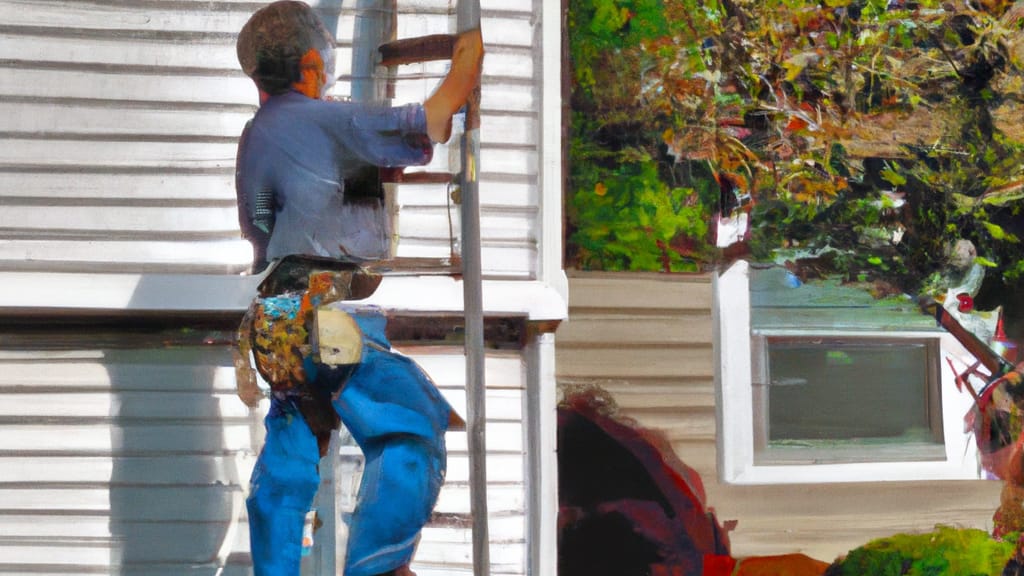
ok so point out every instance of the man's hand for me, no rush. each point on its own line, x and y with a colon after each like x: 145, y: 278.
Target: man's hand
x: 458, y: 84
x: 468, y: 55
x: 245, y: 380
x: 248, y: 389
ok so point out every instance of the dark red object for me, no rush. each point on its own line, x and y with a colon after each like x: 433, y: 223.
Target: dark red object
x: 965, y: 303
x: 627, y: 504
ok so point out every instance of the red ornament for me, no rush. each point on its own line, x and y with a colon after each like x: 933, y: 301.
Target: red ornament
x: 965, y: 303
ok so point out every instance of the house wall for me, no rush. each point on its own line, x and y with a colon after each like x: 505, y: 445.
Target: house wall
x: 127, y: 452
x: 121, y: 455
x: 118, y: 129
x: 648, y: 340
x: 119, y: 125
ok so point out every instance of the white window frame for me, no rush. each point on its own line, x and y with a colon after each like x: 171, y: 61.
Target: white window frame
x: 735, y: 401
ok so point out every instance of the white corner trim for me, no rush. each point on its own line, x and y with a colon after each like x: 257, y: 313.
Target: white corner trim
x: 542, y: 457
x: 551, y: 269
x: 736, y: 418
x: 733, y: 359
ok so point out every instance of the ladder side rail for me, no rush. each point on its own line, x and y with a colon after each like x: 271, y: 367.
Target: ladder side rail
x: 468, y: 18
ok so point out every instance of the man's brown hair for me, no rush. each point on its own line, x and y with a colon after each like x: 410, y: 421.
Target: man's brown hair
x: 271, y: 44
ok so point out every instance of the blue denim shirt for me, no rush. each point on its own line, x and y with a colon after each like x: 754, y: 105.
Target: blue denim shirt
x: 293, y: 159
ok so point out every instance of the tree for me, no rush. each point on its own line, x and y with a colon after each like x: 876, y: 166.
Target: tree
x: 864, y: 137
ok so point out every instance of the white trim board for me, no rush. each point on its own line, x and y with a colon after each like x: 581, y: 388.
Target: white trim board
x: 736, y: 418
x: 42, y: 292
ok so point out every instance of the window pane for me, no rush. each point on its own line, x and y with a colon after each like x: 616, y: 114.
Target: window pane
x: 833, y: 389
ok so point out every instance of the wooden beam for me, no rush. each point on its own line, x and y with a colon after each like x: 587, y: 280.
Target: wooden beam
x: 128, y: 329
x: 419, y: 49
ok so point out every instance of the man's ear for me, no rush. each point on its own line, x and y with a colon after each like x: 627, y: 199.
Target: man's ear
x: 312, y: 77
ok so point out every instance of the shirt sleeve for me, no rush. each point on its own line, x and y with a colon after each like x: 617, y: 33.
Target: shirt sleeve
x: 388, y: 136
x: 256, y: 205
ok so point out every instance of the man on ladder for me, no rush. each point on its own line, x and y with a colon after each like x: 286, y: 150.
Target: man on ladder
x: 329, y: 362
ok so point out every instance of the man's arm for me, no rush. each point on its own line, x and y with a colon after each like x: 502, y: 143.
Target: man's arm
x: 458, y: 84
x: 256, y: 205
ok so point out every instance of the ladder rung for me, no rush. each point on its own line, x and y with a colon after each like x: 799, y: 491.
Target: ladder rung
x: 417, y: 266
x: 292, y: 271
x: 418, y: 49
x: 418, y: 177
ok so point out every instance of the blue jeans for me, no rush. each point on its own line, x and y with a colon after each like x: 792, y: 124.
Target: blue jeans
x: 284, y: 482
x: 398, y: 418
x: 401, y: 482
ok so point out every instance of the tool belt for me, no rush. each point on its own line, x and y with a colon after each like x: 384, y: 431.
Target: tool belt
x: 277, y: 334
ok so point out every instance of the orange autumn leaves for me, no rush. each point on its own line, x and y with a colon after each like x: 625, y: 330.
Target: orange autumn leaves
x: 780, y: 166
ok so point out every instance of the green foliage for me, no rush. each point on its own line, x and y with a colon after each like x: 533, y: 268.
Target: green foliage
x: 779, y: 106
x: 600, y: 28
x: 944, y: 552
x: 633, y: 217
x: 626, y: 211
x: 1015, y: 273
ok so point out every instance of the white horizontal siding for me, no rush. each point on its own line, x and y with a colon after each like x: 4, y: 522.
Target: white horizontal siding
x: 42, y: 116
x: 143, y: 456
x: 214, y: 257
x: 118, y: 127
x: 447, y: 543
x: 169, y: 86
x: 117, y: 104
x: 223, y: 17
x: 508, y: 136
x: 663, y: 343
x: 74, y: 47
x: 98, y: 469
x: 117, y: 460
x: 96, y: 185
